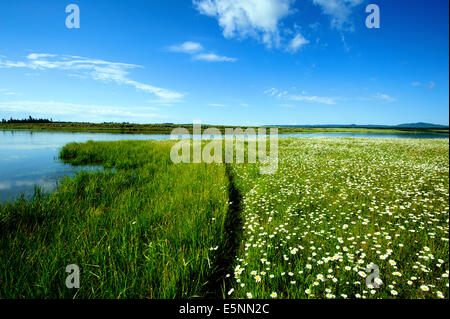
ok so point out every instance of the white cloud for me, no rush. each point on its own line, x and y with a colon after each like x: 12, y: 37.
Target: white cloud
x: 312, y: 98
x: 259, y: 19
x: 301, y: 97
x: 384, y: 97
x: 346, y: 47
x: 211, y: 57
x: 195, y: 48
x: 7, y: 92
x: 296, y: 43
x: 99, y: 70
x: 430, y: 86
x: 35, y: 56
x: 187, y: 47
x: 339, y: 12
x: 314, y: 26
x: 81, y: 112
x: 216, y: 105
x: 377, y: 97
x: 271, y: 91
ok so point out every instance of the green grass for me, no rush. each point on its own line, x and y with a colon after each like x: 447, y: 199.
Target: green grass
x: 142, y: 228
x: 147, y: 228
x: 337, y: 205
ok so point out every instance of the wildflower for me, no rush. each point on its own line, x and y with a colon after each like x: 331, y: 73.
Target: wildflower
x: 378, y: 281
x: 424, y: 288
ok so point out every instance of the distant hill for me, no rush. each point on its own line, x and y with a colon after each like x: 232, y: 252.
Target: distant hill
x: 418, y: 125
x: 421, y: 125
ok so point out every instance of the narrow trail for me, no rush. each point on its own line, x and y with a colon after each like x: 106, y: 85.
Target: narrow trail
x: 227, y: 252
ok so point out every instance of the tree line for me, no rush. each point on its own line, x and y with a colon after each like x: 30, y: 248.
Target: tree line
x: 30, y: 119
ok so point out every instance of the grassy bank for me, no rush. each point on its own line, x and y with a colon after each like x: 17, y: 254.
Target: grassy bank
x: 167, y: 128
x: 143, y: 228
x: 336, y: 206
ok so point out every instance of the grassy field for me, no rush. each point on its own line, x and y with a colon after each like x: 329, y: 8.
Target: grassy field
x: 336, y: 206
x: 147, y: 228
x: 142, y: 228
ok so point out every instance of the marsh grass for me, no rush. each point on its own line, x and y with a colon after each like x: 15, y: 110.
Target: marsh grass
x: 141, y: 228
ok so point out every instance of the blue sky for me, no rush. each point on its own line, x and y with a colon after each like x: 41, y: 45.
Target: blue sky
x: 229, y: 62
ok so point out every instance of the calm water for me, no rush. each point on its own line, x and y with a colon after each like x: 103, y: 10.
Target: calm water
x: 31, y: 158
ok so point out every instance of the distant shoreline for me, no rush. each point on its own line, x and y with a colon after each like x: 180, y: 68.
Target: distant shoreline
x: 167, y: 128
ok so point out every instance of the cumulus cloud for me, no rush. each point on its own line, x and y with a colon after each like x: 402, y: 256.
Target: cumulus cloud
x: 259, y: 19
x: 415, y: 84
x: 339, y: 12
x: 96, y: 69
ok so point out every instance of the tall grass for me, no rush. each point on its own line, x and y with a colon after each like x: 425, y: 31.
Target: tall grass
x: 141, y: 228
